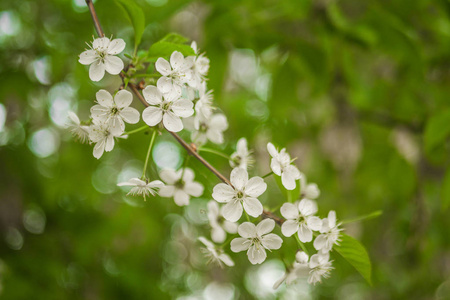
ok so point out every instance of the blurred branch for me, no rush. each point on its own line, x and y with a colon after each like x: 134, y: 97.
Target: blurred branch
x: 191, y: 149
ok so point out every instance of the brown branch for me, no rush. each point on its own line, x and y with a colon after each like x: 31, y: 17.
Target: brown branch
x: 189, y: 149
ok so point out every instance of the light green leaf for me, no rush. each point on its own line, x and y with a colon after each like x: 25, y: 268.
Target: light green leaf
x: 165, y: 49
x: 356, y: 255
x: 372, y: 215
x: 291, y: 196
x: 175, y: 38
x: 437, y: 130
x: 136, y: 16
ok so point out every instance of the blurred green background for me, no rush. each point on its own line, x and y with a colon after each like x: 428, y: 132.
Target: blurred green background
x: 357, y: 90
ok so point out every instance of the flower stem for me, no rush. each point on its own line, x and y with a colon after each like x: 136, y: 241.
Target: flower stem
x: 248, y: 218
x: 267, y: 175
x: 146, y: 75
x: 148, y: 153
x: 214, y: 152
x: 136, y: 130
x: 301, y: 244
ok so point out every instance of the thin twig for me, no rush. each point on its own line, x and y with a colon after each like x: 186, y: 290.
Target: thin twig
x: 189, y: 149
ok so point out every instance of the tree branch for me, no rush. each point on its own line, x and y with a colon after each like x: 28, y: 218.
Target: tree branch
x: 189, y: 149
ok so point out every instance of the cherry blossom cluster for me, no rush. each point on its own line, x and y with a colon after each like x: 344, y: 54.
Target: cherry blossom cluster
x: 181, y: 100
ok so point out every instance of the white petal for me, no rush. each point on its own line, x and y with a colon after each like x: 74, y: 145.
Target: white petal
x: 215, y: 136
x: 163, y: 67
x: 289, y: 227
x: 314, y: 223
x: 304, y: 234
x: 301, y: 257
x: 206, y: 242
x: 307, y: 207
x: 226, y: 259
x: 116, y: 46
x: 277, y: 283
x: 320, y: 242
x: 167, y: 191
x: 152, y: 115
x: 152, y: 95
x: 99, y: 148
x: 123, y: 98
x: 101, y: 43
x: 230, y: 227
x: 181, y: 198
x: 239, y: 178
x: 265, y: 226
x: 312, y: 191
x: 275, y: 166
x: 100, y: 113
x: 104, y: 98
x: 253, y: 207
x: 256, y: 255
x: 88, y: 57
x: 247, y: 230
x: 232, y: 211
x: 96, y: 71
x: 288, y: 181
x: 172, y: 122
x: 289, y: 211
x: 272, y: 241
x: 239, y: 244
x: 130, y: 115
x: 169, y: 176
x: 177, y: 60
x: 183, y: 108
x: 255, y: 187
x: 219, y: 122
x: 116, y: 126
x: 113, y: 65
x: 223, y: 192
x: 194, y: 189
x: 272, y: 151
x: 332, y: 219
x: 165, y: 84
x: 218, y: 235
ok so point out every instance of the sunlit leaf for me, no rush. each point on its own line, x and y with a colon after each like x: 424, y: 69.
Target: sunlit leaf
x: 136, y: 16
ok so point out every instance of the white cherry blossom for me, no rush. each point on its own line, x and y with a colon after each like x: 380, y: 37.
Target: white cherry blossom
x: 243, y: 193
x: 209, y: 129
x: 114, y: 111
x: 80, y: 132
x: 214, y: 254
x: 203, y: 106
x: 300, y: 219
x: 256, y: 239
x: 142, y: 188
x: 299, y: 269
x: 177, y: 72
x: 242, y: 157
x: 102, y: 57
x: 180, y: 185
x: 308, y: 190
x: 200, y: 67
x: 330, y: 232
x: 281, y: 166
x: 219, y: 226
x: 167, y: 107
x: 100, y: 134
x: 320, y: 267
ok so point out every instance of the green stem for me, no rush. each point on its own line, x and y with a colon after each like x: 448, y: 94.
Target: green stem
x: 136, y: 130
x: 365, y: 217
x: 214, y: 152
x: 248, y: 218
x: 301, y: 244
x: 148, y: 153
x: 268, y: 174
x: 146, y: 75
x: 185, y: 163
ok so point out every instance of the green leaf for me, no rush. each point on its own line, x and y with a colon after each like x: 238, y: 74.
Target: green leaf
x: 291, y: 196
x: 372, y: 215
x: 136, y: 16
x: 445, y: 193
x: 437, y: 130
x: 356, y: 255
x: 167, y: 45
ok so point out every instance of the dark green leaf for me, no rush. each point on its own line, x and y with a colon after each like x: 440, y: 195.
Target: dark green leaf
x: 437, y: 130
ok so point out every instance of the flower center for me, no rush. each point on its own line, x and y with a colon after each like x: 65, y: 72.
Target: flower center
x: 179, y: 184
x: 166, y: 106
x: 240, y: 195
x: 114, y: 111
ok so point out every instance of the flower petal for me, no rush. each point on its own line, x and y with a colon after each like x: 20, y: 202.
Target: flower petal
x: 219, y: 122
x: 239, y: 244
x: 255, y: 187
x: 288, y: 181
x: 332, y: 219
x: 88, y: 57
x: 218, y: 235
x: 104, y: 98
x: 232, y: 211
x: 271, y: 241
x: 116, y: 126
x: 130, y: 115
x: 314, y: 223
x: 99, y: 148
x: 265, y: 226
x: 305, y: 234
x: 113, y: 64
x: 96, y: 71
x: 226, y: 259
x: 183, y: 108
x: 320, y: 242
x: 152, y: 95
x: 116, y: 46
x: 253, y: 207
x: 307, y: 207
x: 289, y: 211
x: 169, y: 176
x: 239, y: 178
x: 101, y: 43
x: 163, y: 67
x: 256, y: 255
x: 177, y: 61
x: 181, y: 198
x: 100, y: 113
x: 152, y: 115
x: 167, y: 191
x: 223, y: 193
x: 123, y: 98
x: 272, y: 150
x: 172, y: 122
x: 289, y: 227
x: 275, y: 166
x: 194, y: 189
x: 247, y: 230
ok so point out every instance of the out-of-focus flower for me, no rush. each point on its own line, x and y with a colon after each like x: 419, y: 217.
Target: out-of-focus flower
x: 320, y: 266
x: 177, y: 72
x: 180, y: 185
x: 281, y: 166
x: 101, y: 135
x: 142, y: 188
x: 80, y: 132
x: 300, y: 219
x: 308, y: 190
x: 242, y: 157
x: 214, y: 254
x: 330, y: 232
x: 209, y: 129
x: 219, y: 226
x: 298, y: 270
